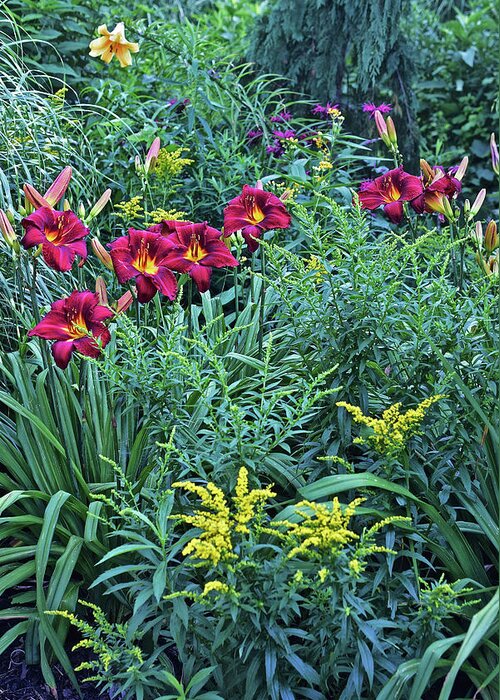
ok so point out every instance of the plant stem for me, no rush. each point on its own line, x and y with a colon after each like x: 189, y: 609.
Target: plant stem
x: 189, y: 303
x: 236, y: 295
x: 453, y: 256
x: 262, y: 298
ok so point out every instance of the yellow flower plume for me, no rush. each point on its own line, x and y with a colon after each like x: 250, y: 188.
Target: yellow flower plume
x: 113, y: 43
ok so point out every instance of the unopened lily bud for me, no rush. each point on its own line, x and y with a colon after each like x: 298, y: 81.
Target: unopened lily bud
x: 8, y: 232
x: 477, y: 234
x: 491, y: 237
x: 492, y: 266
x: 124, y: 302
x: 462, y: 168
x: 391, y: 132
x: 494, y: 155
x: 138, y: 165
x: 101, y: 291
x: 447, y: 210
x: 152, y: 156
x: 58, y: 187
x: 382, y: 128
x: 259, y: 185
x: 102, y: 253
x: 285, y: 195
x: 466, y: 208
x: 10, y: 215
x: 66, y: 205
x: 99, y: 205
x: 34, y: 198
x: 427, y: 170
x: 81, y: 210
x: 478, y: 202
x: 22, y: 211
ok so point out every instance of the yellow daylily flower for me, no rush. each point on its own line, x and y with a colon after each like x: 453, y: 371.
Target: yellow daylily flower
x: 113, y: 43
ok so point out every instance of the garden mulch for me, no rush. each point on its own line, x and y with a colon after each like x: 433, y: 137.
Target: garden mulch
x: 18, y: 681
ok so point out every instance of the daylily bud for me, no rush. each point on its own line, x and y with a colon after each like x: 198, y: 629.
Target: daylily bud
x: 477, y: 234
x: 8, y: 232
x: 491, y: 237
x: 447, y: 210
x: 391, y: 131
x: 99, y: 205
x: 66, y: 205
x: 23, y: 211
x: 34, y: 197
x: 494, y: 155
x: 152, y: 156
x: 81, y: 210
x: 427, y: 170
x: 466, y: 208
x: 10, y: 216
x: 102, y: 253
x: 478, y: 202
x: 138, y: 164
x: 124, y: 302
x: 101, y: 291
x: 285, y: 195
x: 492, y: 266
x: 382, y: 128
x: 58, y: 187
x: 462, y: 168
x: 259, y: 185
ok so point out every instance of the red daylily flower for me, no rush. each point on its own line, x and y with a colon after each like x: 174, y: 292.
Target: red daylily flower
x: 437, y: 184
x: 141, y: 256
x: 390, y: 191
x: 60, y: 233
x: 197, y: 249
x: 76, y: 324
x: 253, y: 212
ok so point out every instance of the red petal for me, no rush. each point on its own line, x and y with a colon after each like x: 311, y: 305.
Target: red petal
x: 176, y: 261
x: 32, y: 237
x: 121, y: 259
x: 166, y: 283
x: 201, y: 275
x: 58, y: 257
x: 394, y: 211
x: 53, y: 326
x: 61, y: 352
x: 145, y: 289
x: 219, y: 256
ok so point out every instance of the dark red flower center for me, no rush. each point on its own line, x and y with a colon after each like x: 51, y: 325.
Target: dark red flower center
x: 54, y: 232
x: 77, y: 326
x: 391, y: 192
x: 195, y: 251
x: 144, y: 261
x: 254, y: 213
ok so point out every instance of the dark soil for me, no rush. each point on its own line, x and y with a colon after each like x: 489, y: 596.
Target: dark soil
x: 18, y: 681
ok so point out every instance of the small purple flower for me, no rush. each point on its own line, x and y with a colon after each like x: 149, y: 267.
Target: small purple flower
x: 254, y: 135
x: 283, y: 116
x: 370, y: 108
x: 179, y: 105
x: 284, y: 135
x: 326, y: 110
x: 275, y: 149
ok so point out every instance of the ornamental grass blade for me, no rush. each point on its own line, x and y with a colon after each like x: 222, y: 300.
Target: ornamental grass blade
x: 483, y: 624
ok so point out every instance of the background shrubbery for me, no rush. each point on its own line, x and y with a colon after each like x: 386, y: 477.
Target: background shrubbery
x: 348, y: 308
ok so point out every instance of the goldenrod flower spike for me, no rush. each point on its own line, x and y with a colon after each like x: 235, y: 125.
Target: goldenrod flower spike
x: 112, y: 44
x: 391, y: 432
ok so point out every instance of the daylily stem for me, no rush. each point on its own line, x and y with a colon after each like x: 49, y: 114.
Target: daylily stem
x: 262, y: 298
x: 189, y: 302
x: 236, y: 295
x: 34, y: 299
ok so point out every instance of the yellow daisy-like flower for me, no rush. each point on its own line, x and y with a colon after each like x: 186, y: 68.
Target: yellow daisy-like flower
x: 113, y: 43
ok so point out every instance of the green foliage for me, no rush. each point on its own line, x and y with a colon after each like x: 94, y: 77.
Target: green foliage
x: 341, y: 307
